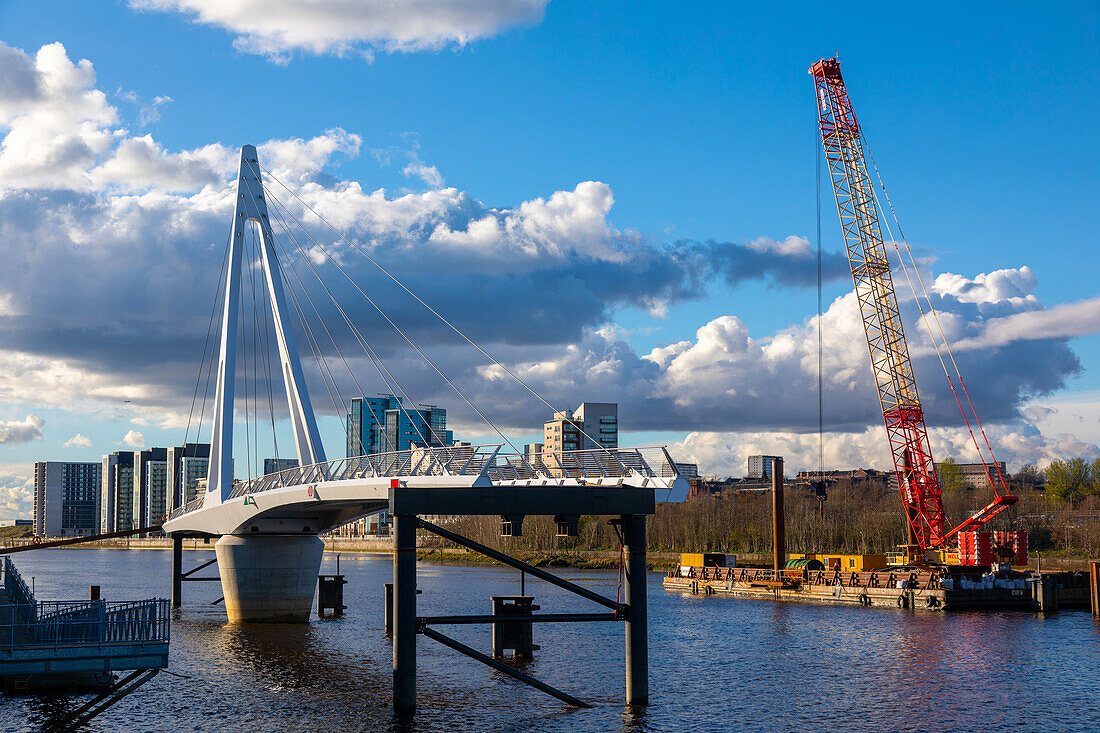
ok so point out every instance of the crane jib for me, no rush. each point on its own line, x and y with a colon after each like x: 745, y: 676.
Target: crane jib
x: 899, y: 401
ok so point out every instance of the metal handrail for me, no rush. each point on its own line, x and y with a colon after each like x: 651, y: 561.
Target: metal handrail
x: 19, y: 595
x: 466, y: 460
x: 75, y: 623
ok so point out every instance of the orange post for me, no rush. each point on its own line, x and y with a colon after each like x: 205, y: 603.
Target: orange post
x: 1094, y: 587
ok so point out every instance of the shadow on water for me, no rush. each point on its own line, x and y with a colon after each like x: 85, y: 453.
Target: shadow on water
x: 51, y: 712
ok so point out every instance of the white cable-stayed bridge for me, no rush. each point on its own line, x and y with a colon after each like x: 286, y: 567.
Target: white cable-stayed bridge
x: 269, y: 553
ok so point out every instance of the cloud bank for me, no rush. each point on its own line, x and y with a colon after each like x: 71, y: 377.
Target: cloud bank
x: 113, y: 242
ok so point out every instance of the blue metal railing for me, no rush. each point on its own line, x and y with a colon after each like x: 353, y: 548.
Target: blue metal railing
x: 19, y: 595
x: 76, y: 623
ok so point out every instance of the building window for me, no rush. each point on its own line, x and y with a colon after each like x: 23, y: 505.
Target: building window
x: 608, y: 420
x: 609, y: 430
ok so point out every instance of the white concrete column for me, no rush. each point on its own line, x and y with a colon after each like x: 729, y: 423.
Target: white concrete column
x: 269, y: 577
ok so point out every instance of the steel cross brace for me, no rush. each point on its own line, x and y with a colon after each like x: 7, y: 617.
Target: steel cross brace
x: 621, y: 609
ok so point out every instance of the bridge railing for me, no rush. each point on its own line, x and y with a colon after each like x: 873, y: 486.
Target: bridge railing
x: 19, y: 595
x: 467, y: 460
x: 447, y: 460
x: 74, y: 623
x: 653, y: 462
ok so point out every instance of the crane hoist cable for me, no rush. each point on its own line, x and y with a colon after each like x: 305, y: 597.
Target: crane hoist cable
x: 899, y: 401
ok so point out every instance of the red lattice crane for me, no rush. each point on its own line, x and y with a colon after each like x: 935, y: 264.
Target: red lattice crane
x: 874, y: 286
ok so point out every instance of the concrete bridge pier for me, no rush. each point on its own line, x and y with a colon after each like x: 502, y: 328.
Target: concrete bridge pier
x: 269, y: 577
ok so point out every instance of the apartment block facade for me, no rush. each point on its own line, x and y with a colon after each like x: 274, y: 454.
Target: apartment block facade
x: 761, y: 466
x: 187, y: 466
x: 116, y: 500
x: 591, y: 426
x: 66, y: 498
x: 274, y: 465
x: 382, y: 424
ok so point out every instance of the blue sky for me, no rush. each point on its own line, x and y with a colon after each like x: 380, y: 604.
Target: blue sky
x: 702, y: 125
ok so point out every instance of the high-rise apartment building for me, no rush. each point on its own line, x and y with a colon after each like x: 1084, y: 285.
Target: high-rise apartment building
x: 591, y: 426
x: 150, y: 495
x: 364, y: 419
x: 761, y: 466
x: 116, y: 507
x: 382, y: 424
x: 274, y: 465
x: 187, y: 465
x: 66, y: 498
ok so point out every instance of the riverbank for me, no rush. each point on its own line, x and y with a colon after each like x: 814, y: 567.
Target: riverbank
x: 580, y: 559
x: 577, y: 559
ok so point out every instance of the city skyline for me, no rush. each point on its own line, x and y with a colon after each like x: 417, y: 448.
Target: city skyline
x: 660, y: 257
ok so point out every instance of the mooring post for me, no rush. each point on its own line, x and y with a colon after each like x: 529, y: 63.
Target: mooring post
x: 637, y: 638
x: 387, y: 613
x: 1094, y: 587
x: 177, y: 570
x: 779, y: 542
x: 404, y: 613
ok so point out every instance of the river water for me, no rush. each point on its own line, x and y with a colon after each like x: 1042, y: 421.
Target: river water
x: 715, y: 664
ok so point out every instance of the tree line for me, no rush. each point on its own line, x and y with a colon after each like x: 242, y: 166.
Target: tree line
x: 859, y: 516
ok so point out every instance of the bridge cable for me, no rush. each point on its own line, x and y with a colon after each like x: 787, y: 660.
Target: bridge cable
x: 421, y: 301
x: 322, y: 363
x: 315, y: 345
x: 265, y: 350
x: 370, y: 352
x: 409, y: 341
x: 432, y: 310
x: 255, y: 354
x: 244, y: 363
x: 305, y: 257
x: 260, y: 350
x: 290, y: 267
x: 205, y: 343
x: 210, y: 373
x: 398, y: 329
x: 347, y: 366
x: 379, y: 364
x: 317, y: 355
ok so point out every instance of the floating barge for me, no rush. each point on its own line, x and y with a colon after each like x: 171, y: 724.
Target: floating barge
x: 917, y: 588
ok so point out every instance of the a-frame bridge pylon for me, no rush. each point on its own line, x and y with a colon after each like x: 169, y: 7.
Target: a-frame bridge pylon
x: 252, y: 207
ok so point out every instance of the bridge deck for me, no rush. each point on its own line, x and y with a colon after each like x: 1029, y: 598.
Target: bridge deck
x: 440, y: 480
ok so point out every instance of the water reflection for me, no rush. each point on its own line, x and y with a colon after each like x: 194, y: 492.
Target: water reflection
x: 716, y: 663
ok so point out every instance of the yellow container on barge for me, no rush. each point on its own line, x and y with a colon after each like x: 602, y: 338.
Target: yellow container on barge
x: 846, y: 563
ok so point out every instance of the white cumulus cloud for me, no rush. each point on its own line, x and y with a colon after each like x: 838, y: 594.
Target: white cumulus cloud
x: 16, y: 491
x: 133, y: 439
x: 78, y: 441
x: 1017, y: 443
x: 275, y: 28
x: 21, y: 431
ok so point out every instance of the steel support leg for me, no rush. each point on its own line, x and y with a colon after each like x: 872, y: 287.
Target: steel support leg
x: 404, y: 614
x: 177, y: 571
x: 637, y: 640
